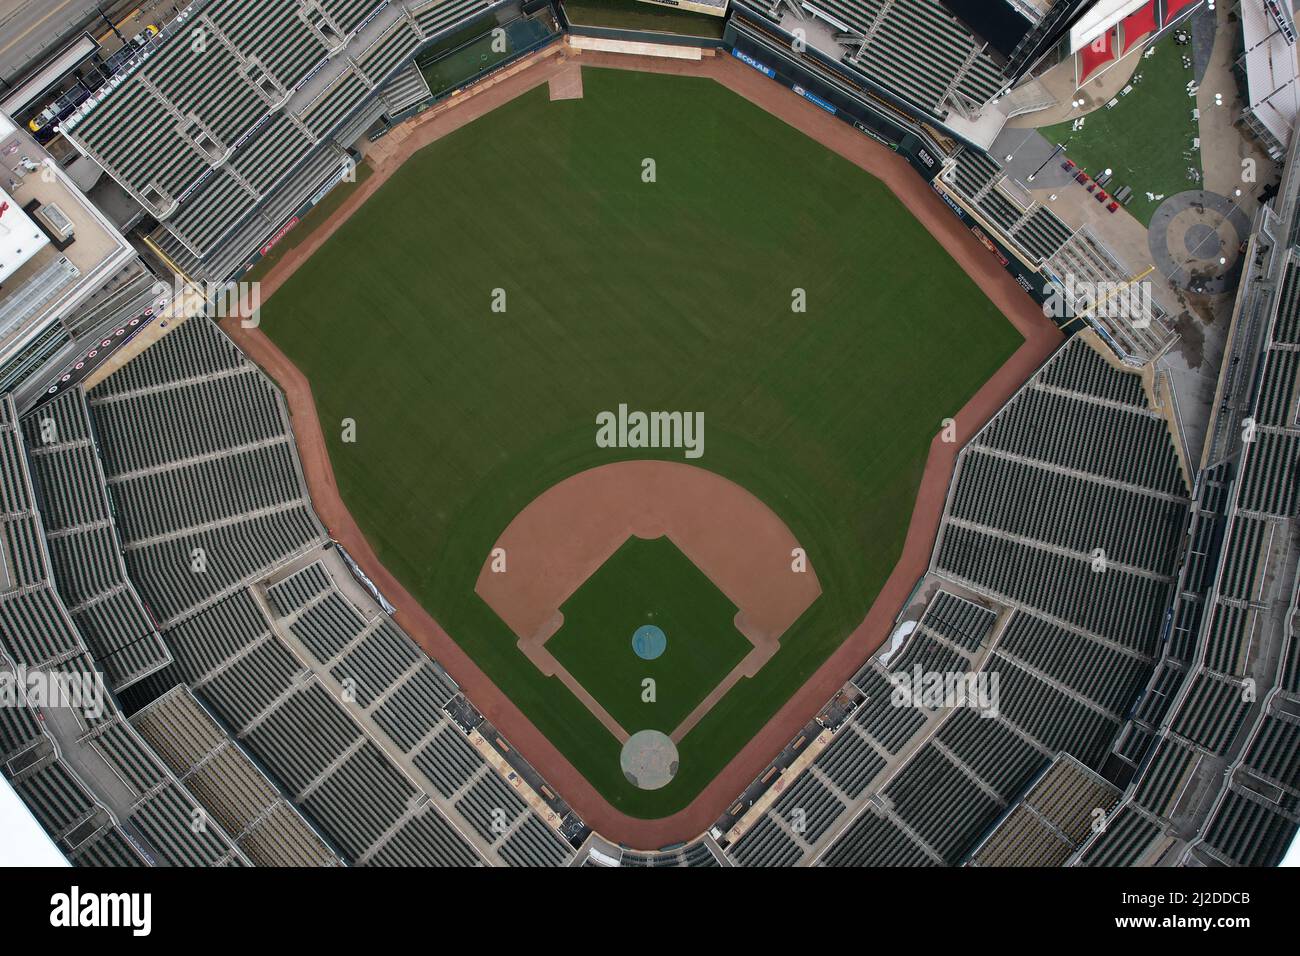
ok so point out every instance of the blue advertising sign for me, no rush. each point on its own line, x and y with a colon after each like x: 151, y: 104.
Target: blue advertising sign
x: 746, y: 58
x: 814, y: 98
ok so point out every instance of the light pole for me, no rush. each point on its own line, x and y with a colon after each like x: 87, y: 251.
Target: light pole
x: 111, y: 25
x: 1059, y: 149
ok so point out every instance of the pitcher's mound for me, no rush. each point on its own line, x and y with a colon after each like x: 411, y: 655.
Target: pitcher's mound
x: 649, y: 642
x: 649, y: 759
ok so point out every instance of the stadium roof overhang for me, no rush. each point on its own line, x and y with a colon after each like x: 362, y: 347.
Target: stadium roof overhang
x: 1272, y: 73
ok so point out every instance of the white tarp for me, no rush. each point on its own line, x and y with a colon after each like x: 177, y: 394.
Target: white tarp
x: 896, y: 640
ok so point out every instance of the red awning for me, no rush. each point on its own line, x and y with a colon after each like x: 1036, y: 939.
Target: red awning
x: 1175, y: 7
x: 1095, y: 55
x: 1139, y: 24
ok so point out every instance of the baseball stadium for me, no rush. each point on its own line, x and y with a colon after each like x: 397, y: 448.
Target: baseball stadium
x: 621, y: 433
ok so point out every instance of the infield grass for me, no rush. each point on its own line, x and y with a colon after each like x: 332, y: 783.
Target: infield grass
x: 649, y: 582
x: 674, y: 294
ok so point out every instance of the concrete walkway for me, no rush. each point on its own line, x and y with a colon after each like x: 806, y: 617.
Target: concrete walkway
x: 1101, y: 88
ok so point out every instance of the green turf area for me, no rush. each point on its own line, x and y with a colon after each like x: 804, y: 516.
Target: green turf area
x: 464, y: 64
x: 469, y: 52
x: 457, y: 38
x: 649, y: 582
x: 635, y: 15
x: 672, y: 295
x: 1145, y: 139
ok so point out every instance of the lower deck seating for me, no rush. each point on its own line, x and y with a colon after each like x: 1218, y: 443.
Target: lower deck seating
x: 922, y: 779
x: 1103, y: 561
x: 874, y: 839
x: 315, y: 751
x: 1128, y: 839
x: 1249, y: 831
x: 199, y: 461
x: 228, y: 784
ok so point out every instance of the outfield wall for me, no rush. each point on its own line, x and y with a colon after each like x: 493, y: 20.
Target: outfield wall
x: 840, y: 100
x: 291, y: 221
x: 1028, y: 279
x: 642, y: 36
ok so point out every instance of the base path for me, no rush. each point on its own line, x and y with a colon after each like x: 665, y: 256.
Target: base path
x: 1041, y: 338
x: 569, y: 531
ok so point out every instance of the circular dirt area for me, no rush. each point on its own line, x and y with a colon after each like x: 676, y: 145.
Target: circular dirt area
x: 649, y: 642
x: 1194, y: 240
x: 649, y: 759
x: 1202, y: 241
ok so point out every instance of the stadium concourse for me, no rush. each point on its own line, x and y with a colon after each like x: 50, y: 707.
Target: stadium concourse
x: 188, y: 641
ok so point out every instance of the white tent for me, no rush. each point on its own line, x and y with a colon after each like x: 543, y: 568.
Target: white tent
x: 1104, y: 15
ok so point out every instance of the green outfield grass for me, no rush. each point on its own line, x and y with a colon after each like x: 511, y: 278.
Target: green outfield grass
x: 1146, y: 138
x: 672, y: 295
x: 649, y: 582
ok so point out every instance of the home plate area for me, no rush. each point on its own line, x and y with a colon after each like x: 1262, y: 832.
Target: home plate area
x: 649, y: 759
x: 649, y: 589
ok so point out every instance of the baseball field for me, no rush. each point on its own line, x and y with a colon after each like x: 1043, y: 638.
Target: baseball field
x: 648, y: 584
x: 663, y: 244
